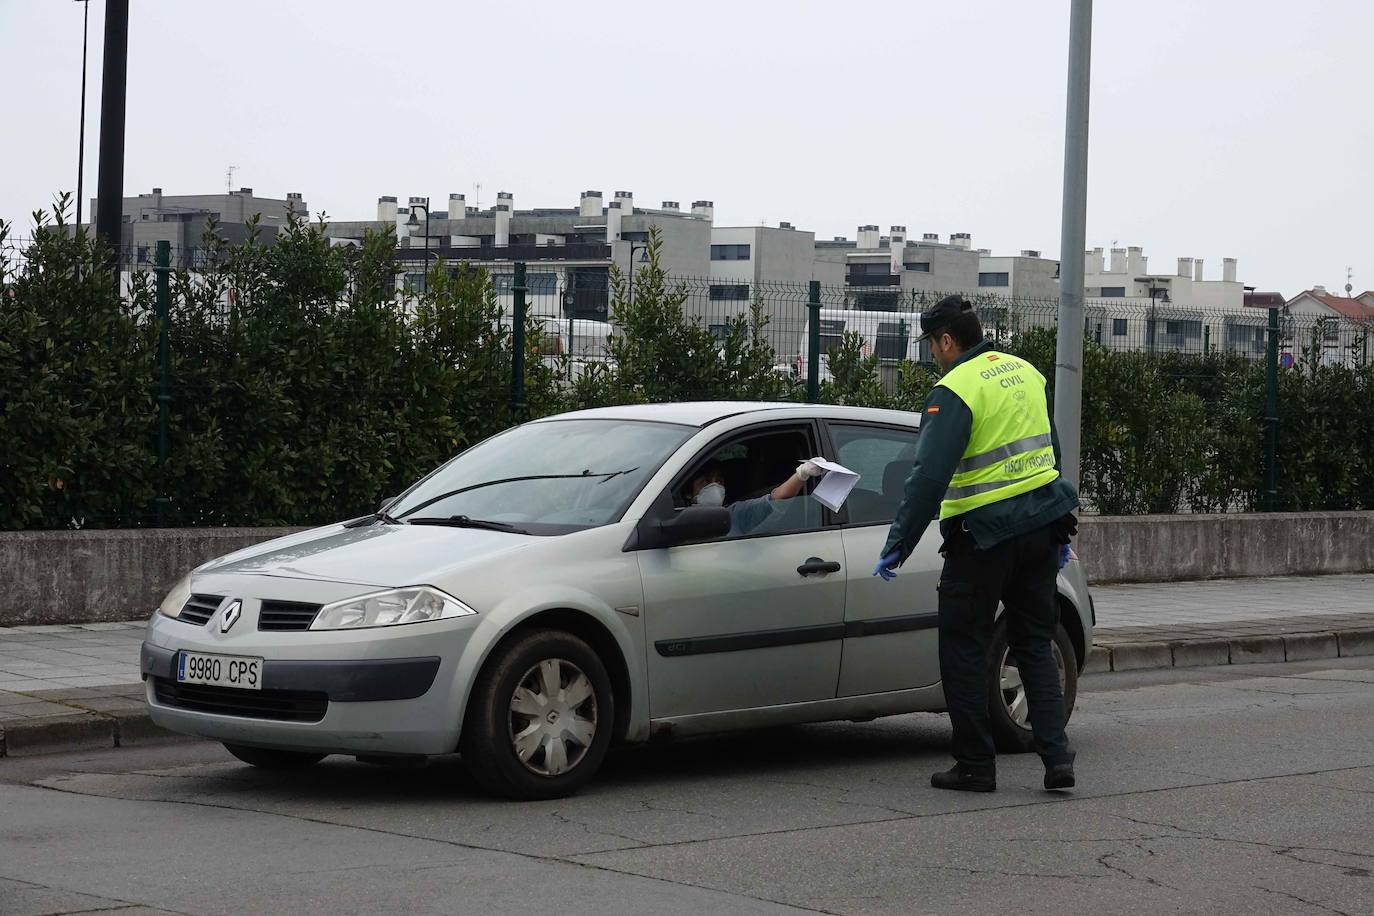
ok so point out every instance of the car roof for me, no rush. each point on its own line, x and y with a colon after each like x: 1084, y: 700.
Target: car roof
x: 705, y: 413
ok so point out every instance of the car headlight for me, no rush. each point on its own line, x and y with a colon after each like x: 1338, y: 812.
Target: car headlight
x: 389, y: 608
x: 176, y: 599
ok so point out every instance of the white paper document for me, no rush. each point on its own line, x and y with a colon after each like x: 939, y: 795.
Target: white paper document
x: 835, y: 485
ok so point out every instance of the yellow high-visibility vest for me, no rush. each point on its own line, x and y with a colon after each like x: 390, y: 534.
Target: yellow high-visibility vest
x: 1009, y: 450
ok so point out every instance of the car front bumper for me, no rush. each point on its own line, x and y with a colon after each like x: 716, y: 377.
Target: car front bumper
x: 372, y: 692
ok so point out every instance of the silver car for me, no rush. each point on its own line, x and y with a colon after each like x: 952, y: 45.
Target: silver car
x: 552, y: 590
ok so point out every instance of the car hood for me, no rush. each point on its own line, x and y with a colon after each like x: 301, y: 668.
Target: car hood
x: 381, y: 555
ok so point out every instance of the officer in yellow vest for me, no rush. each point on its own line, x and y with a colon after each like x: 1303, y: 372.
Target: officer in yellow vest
x: 987, y: 460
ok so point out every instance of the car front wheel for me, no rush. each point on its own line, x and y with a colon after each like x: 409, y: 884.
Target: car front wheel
x: 269, y: 759
x: 540, y: 718
x: 1008, y: 708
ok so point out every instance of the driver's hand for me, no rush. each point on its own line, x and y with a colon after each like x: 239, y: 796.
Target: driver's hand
x: 809, y: 469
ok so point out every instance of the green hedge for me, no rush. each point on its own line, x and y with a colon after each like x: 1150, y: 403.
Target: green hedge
x: 302, y: 390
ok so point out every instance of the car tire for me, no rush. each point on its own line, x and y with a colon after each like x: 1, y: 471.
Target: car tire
x: 270, y: 759
x: 1007, y: 697
x: 548, y: 739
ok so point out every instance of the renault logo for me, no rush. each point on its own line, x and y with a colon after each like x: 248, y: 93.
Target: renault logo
x: 231, y: 615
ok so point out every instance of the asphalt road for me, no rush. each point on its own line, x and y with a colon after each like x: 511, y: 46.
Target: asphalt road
x: 1244, y: 790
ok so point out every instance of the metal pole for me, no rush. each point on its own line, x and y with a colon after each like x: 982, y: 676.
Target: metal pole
x: 1068, y: 360
x: 813, y: 342
x: 110, y: 180
x: 81, y: 135
x: 1271, y: 416
x: 517, y: 378
x: 1206, y: 339
x: 162, y: 270
x: 426, y: 281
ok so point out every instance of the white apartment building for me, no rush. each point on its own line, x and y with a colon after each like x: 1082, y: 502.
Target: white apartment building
x: 773, y: 266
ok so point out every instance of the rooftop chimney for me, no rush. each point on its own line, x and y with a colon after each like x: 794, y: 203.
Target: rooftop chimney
x: 785, y: 225
x: 706, y: 209
x: 386, y: 210
x: 1118, y: 261
x: 1029, y: 253
x: 157, y: 192
x: 503, y: 216
x: 1197, y: 269
x: 1135, y: 261
x: 1092, y: 261
x: 505, y: 197
x: 672, y: 205
x: 896, y: 248
x: 1185, y: 268
x: 614, y: 213
x: 963, y: 240
x: 840, y: 238
x: 590, y: 204
x: 248, y: 191
x: 931, y: 237
x: 1319, y: 289
x: 868, y: 236
x: 1228, y: 270
x: 627, y: 202
x: 457, y: 206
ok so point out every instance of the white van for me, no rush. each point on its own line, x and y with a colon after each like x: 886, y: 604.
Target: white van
x: 584, y: 340
x: 891, y: 335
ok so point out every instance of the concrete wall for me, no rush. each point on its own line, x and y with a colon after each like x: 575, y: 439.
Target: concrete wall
x: 86, y: 576
x: 1159, y: 548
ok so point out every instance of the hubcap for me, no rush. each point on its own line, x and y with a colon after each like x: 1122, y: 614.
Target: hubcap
x: 1014, y: 690
x: 552, y: 717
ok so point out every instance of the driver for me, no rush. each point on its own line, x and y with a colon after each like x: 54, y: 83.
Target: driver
x: 708, y: 489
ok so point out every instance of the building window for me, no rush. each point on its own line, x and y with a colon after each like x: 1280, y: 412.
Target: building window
x: 729, y: 252
x: 730, y: 291
x: 921, y: 267
x: 143, y: 254
x: 720, y: 332
x: 1118, y: 327
x: 994, y: 279
x: 881, y: 269
x: 1183, y: 328
x: 1113, y: 292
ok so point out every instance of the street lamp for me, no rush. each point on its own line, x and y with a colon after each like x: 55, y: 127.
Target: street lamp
x: 414, y: 223
x: 81, y: 135
x: 642, y: 259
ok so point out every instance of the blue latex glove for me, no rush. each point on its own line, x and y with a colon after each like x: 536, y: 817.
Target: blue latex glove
x: 886, y: 567
x: 1063, y: 555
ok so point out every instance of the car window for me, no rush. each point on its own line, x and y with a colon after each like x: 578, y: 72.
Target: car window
x: 547, y: 478
x: 749, y: 468
x: 882, y: 457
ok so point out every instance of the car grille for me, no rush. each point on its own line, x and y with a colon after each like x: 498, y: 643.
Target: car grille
x: 286, y: 615
x: 198, y: 609
x: 282, y: 705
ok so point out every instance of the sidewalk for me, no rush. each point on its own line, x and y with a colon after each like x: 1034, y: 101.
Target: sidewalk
x: 73, y: 687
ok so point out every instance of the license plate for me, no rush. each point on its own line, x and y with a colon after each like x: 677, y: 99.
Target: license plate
x: 220, y: 670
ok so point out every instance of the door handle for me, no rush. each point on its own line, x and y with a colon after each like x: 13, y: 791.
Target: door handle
x: 817, y: 565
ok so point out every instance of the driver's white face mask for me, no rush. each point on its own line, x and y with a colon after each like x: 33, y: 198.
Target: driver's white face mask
x: 713, y: 494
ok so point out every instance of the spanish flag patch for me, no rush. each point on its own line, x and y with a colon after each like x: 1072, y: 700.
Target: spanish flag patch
x: 932, y: 409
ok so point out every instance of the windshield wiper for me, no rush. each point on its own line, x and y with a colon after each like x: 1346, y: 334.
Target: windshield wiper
x: 491, y: 483
x: 381, y: 515
x: 462, y: 521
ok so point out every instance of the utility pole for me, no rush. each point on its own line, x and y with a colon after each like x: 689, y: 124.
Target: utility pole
x: 110, y: 184
x: 1068, y: 359
x: 81, y: 134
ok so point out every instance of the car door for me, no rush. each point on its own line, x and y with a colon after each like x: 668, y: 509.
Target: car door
x: 752, y: 618
x: 891, y: 641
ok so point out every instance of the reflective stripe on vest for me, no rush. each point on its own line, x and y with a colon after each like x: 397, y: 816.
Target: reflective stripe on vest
x: 1010, y: 450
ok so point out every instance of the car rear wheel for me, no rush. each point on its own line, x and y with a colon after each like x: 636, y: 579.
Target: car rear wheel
x: 1008, y: 709
x: 540, y: 718
x: 269, y: 759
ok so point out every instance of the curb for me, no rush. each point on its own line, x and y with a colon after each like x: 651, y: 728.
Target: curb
x: 81, y: 731
x: 1201, y: 653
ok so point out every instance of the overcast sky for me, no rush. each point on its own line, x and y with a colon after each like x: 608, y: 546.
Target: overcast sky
x: 1225, y: 128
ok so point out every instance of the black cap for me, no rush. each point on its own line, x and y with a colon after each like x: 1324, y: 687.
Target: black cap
x: 938, y: 316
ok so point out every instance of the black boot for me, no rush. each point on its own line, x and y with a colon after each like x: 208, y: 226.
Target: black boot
x: 960, y: 779
x: 1059, y: 777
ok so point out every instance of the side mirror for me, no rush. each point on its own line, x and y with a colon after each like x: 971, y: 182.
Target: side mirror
x: 695, y: 523
x: 386, y: 502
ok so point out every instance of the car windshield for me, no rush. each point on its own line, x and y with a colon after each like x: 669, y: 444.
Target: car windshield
x: 545, y: 478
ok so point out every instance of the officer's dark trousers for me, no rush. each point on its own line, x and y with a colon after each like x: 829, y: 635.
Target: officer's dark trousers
x: 1021, y: 574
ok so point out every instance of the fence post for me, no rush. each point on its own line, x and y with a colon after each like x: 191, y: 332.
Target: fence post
x: 517, y: 372
x: 1206, y: 339
x: 162, y: 271
x: 813, y: 342
x: 1271, y: 415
